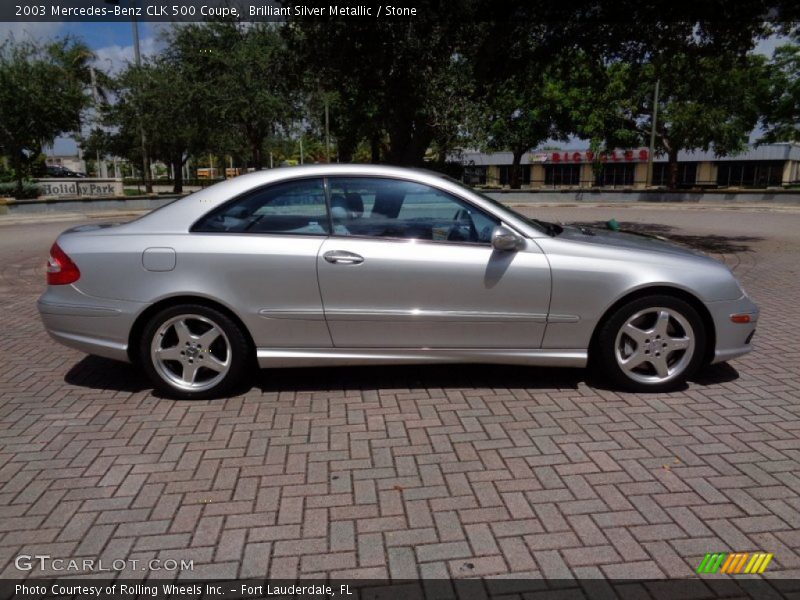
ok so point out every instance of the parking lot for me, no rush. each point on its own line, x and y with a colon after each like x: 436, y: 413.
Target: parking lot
x: 405, y: 472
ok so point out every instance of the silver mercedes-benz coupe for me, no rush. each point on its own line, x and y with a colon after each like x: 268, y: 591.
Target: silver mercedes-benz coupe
x: 355, y: 264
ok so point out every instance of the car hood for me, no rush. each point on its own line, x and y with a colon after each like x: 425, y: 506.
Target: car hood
x: 630, y: 241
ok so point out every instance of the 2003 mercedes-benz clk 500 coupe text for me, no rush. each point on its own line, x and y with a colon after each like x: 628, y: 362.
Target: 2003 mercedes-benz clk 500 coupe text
x: 354, y: 264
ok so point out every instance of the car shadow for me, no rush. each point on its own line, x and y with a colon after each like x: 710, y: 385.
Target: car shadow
x: 715, y: 374
x: 720, y: 244
x: 98, y: 373
x: 408, y: 377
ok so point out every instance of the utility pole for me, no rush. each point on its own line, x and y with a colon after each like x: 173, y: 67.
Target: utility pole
x: 327, y: 133
x: 148, y: 182
x: 100, y: 168
x: 649, y: 181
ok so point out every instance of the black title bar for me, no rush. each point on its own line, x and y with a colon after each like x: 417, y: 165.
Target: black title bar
x: 533, y: 11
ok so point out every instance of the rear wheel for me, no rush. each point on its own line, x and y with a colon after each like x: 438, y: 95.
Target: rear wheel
x: 652, y: 344
x: 193, y: 352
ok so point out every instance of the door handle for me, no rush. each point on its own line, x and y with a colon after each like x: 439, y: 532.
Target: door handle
x: 342, y: 257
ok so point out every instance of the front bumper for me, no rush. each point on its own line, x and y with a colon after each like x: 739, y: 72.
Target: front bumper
x: 732, y: 339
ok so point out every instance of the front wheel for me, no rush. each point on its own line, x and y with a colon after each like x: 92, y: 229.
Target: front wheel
x: 652, y: 344
x: 193, y: 352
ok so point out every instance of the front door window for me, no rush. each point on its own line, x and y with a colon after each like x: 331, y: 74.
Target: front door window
x: 390, y: 208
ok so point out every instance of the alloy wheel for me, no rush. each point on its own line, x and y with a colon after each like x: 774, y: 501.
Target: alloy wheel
x: 655, y: 345
x: 191, y: 352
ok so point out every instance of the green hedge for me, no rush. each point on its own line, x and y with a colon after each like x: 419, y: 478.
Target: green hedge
x: 29, y: 190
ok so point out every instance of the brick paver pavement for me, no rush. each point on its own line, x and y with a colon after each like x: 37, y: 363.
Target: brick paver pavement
x: 407, y: 471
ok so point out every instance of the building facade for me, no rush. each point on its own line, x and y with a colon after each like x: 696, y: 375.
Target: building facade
x: 766, y: 166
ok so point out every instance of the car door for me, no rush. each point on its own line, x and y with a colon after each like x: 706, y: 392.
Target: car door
x: 258, y: 255
x: 412, y: 266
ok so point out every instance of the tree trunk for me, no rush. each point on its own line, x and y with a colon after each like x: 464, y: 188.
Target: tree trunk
x: 672, y: 158
x: 345, y: 154
x: 375, y: 149
x: 346, y: 146
x: 177, y: 169
x: 408, y: 142
x: 255, y: 149
x: 515, y: 181
x: 148, y: 176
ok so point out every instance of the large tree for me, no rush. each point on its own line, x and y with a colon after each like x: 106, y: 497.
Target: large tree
x: 160, y: 97
x: 249, y: 86
x: 394, y: 83
x: 710, y: 86
x: 43, y: 92
x: 532, y: 107
x: 708, y: 99
x: 386, y: 75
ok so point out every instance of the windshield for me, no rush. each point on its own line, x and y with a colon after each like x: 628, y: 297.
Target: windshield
x: 543, y: 226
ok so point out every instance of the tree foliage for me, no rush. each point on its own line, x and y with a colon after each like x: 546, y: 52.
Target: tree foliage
x: 43, y: 93
x: 248, y: 84
x: 160, y: 97
x: 396, y: 83
x: 781, y: 119
x: 413, y: 91
x: 709, y: 97
x: 526, y: 110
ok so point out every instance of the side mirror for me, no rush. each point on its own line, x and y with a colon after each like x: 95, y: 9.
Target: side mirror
x: 504, y: 240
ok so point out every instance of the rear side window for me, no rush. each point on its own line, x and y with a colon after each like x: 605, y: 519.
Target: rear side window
x: 293, y: 207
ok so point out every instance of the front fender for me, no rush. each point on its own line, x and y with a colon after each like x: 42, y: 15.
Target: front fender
x: 589, y: 279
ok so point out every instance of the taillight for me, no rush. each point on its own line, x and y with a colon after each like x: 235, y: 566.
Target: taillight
x: 60, y: 268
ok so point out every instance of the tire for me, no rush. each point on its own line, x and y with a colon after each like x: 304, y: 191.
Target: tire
x: 193, y: 352
x: 652, y: 344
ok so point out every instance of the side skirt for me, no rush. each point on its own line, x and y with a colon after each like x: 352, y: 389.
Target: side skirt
x: 309, y: 357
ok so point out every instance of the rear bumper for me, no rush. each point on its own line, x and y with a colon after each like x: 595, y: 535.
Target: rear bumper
x: 733, y: 339
x: 91, y: 325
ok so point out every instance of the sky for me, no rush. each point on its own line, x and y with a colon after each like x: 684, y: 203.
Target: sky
x: 113, y: 45
x: 111, y: 41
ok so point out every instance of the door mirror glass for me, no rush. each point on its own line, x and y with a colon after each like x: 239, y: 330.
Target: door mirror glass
x: 504, y: 239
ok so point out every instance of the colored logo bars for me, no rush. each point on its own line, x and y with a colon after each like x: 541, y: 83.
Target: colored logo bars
x: 735, y: 563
